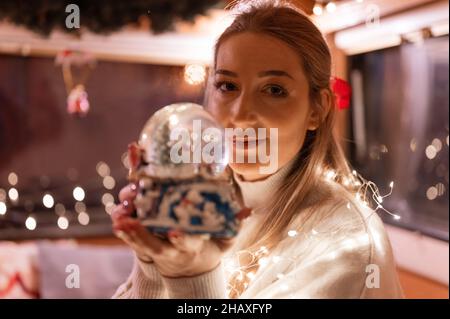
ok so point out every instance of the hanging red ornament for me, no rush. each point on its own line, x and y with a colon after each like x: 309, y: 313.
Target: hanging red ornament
x: 77, y: 97
x: 77, y: 101
x: 342, y: 92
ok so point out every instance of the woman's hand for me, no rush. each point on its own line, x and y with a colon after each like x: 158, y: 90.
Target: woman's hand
x: 180, y: 255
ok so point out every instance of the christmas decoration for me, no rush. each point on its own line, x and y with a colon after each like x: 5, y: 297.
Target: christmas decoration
x: 43, y: 16
x: 76, y: 67
x: 180, y: 185
x: 342, y: 92
x: 77, y: 102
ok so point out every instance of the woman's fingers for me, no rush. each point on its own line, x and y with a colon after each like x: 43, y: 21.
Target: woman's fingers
x: 155, y: 246
x: 187, y: 243
x: 124, y: 209
x: 128, y: 193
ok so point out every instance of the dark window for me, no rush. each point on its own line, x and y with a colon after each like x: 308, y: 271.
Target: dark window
x: 400, y: 128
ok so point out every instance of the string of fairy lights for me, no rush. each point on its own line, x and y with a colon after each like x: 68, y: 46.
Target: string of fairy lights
x: 194, y: 74
x: 10, y: 199
x: 367, y: 191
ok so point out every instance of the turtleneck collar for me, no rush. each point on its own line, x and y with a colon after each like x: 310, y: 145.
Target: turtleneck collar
x: 256, y: 193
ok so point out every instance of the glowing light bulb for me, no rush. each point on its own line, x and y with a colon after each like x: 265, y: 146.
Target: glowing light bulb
x: 30, y: 223
x: 63, y: 222
x: 292, y: 233
x: 12, y: 178
x: 194, y: 74
x: 107, y: 198
x: 331, y: 7
x: 13, y: 194
x: 48, y: 201
x: 317, y: 10
x: 251, y: 275
x: 102, y: 169
x: 83, y: 218
x: 3, y: 208
x: 109, y: 182
x: 78, y: 193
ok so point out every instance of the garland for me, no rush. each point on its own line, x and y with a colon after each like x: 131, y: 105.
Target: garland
x: 102, y: 16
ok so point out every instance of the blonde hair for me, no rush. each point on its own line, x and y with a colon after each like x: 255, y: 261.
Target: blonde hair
x: 304, y: 185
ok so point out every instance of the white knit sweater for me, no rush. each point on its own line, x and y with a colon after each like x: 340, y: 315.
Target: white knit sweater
x: 339, y: 254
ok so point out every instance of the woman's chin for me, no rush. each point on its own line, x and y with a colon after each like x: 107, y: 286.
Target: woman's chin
x: 249, y: 171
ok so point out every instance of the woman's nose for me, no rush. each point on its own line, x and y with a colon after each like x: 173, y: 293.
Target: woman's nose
x: 243, y: 111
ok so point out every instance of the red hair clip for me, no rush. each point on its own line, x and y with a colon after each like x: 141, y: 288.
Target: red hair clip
x: 342, y: 91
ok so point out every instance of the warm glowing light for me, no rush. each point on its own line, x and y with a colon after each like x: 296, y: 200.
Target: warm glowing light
x: 263, y: 261
x: 103, y: 169
x: 430, y: 152
x: 107, y: 198
x: 63, y: 222
x: 437, y: 144
x: 48, y: 201
x: 2, y: 208
x: 83, y: 218
x: 109, y: 182
x: 2, y: 194
x: 391, y: 184
x: 194, y: 74
x: 432, y: 193
x: 292, y: 233
x: 251, y: 275
x: 78, y: 193
x: 331, y: 7
x: 317, y: 10
x: 13, y: 194
x: 12, y: 178
x: 30, y: 223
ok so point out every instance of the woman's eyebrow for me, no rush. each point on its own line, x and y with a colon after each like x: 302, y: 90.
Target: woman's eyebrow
x: 275, y: 73
x: 226, y: 72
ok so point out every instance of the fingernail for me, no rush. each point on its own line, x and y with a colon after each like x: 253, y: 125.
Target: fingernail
x: 133, y: 187
x: 119, y: 233
x: 125, y: 203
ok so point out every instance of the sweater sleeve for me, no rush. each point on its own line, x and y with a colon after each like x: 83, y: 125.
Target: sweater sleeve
x: 144, y: 282
x: 210, y: 285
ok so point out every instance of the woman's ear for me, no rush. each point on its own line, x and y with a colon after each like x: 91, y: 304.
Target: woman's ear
x: 315, y: 116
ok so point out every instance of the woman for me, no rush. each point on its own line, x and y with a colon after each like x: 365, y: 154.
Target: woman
x: 307, y: 236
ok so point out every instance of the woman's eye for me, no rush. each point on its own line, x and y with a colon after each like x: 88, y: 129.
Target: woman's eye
x: 275, y: 90
x: 225, y: 86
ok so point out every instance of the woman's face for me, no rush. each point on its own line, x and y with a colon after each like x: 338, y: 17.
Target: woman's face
x: 259, y: 83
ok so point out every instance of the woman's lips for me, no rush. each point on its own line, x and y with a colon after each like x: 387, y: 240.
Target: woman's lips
x: 247, y: 142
